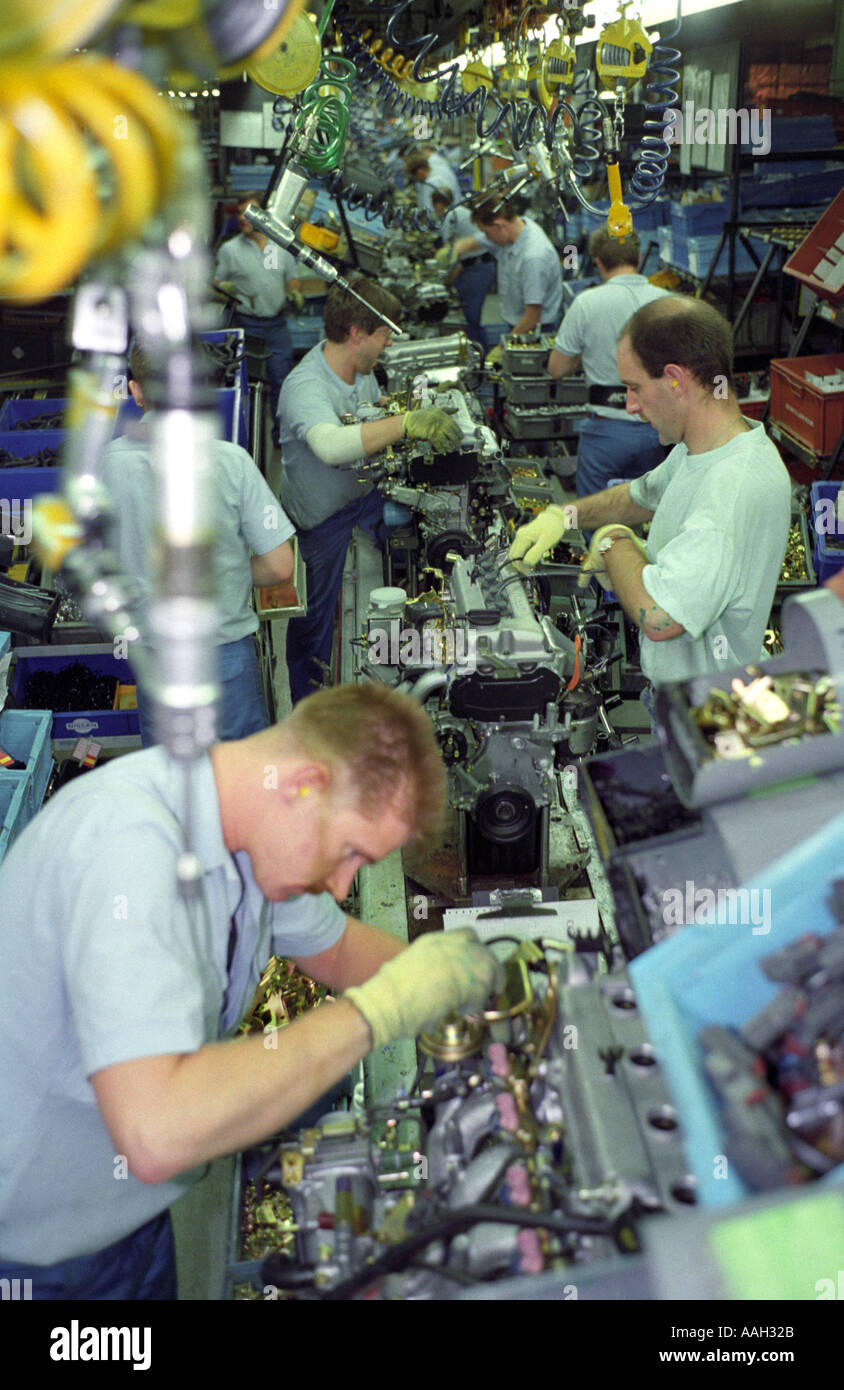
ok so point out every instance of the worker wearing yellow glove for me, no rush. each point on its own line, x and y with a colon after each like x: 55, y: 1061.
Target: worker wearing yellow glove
x: 434, y: 425
x: 439, y: 973
x: 603, y: 541
x: 533, y: 541
x: 446, y: 256
x: 494, y: 356
x: 295, y: 299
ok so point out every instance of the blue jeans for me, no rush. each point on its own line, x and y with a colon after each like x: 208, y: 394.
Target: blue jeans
x: 276, y: 337
x: 614, y: 449
x: 309, y: 639
x: 140, y: 1266
x: 472, y: 285
x: 243, y: 704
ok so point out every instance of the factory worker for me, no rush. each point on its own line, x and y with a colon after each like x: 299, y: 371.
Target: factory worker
x: 612, y: 444
x: 264, y: 280
x: 321, y: 457
x: 120, y: 994
x: 530, y: 279
x: 429, y: 170
x: 251, y: 547
x: 700, y: 589
x: 473, y: 274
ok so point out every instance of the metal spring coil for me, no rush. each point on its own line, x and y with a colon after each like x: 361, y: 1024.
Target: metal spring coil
x: 653, y: 150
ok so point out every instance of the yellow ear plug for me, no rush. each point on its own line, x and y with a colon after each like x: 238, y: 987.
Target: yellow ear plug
x: 303, y: 791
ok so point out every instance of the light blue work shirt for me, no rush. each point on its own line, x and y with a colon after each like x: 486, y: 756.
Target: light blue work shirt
x: 313, y: 394
x: 261, y: 276
x: 592, y: 327
x: 249, y: 518
x: 457, y: 222
x: 529, y: 272
x: 102, y: 962
x: 441, y: 176
x: 716, y: 542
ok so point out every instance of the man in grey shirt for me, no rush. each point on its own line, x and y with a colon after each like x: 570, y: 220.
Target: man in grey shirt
x: 262, y: 278
x: 321, y: 456
x: 719, y: 506
x: 121, y: 993
x: 252, y: 547
x: 612, y: 443
x: 530, y: 278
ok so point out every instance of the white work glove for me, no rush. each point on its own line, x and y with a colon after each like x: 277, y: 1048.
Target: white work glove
x: 533, y: 541
x: 440, y: 973
x: 594, y: 563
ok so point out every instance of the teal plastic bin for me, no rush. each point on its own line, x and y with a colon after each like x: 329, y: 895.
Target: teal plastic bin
x: 712, y: 974
x: 25, y: 734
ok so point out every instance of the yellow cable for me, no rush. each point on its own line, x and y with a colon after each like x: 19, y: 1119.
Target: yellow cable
x: 161, y: 122
x: 121, y: 135
x: 51, y: 226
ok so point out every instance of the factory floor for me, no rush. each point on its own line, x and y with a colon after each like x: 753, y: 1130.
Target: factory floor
x: 201, y: 1219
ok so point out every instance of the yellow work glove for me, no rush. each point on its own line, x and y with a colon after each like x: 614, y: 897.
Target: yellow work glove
x: 493, y: 358
x: 533, y: 541
x: 227, y: 286
x: 440, y: 972
x: 594, y: 562
x: 297, y: 299
x: 433, y: 424
x: 446, y: 256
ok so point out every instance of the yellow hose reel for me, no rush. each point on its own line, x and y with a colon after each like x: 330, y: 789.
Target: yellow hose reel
x: 88, y: 153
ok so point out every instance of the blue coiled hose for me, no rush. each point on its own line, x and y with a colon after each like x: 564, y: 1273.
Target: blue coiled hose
x: 653, y: 151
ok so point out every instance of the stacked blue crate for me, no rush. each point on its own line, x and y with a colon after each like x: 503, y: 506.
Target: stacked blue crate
x: 102, y: 723
x: 25, y: 736
x: 16, y: 414
x: 828, y: 527
x: 12, y: 808
x: 21, y: 442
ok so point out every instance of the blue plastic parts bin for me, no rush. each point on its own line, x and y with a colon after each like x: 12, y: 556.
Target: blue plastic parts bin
x: 23, y: 444
x: 22, y: 484
x: 698, y: 218
x: 13, y: 816
x: 828, y: 560
x: 108, y: 723
x: 712, y: 975
x: 25, y: 734
x: 16, y: 413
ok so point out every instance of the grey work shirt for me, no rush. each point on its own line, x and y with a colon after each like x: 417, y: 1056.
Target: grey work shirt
x: 716, y: 542
x: 456, y: 223
x: 529, y: 273
x: 592, y: 327
x: 441, y: 176
x: 249, y: 518
x: 313, y: 394
x: 102, y: 962
x: 261, y: 276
